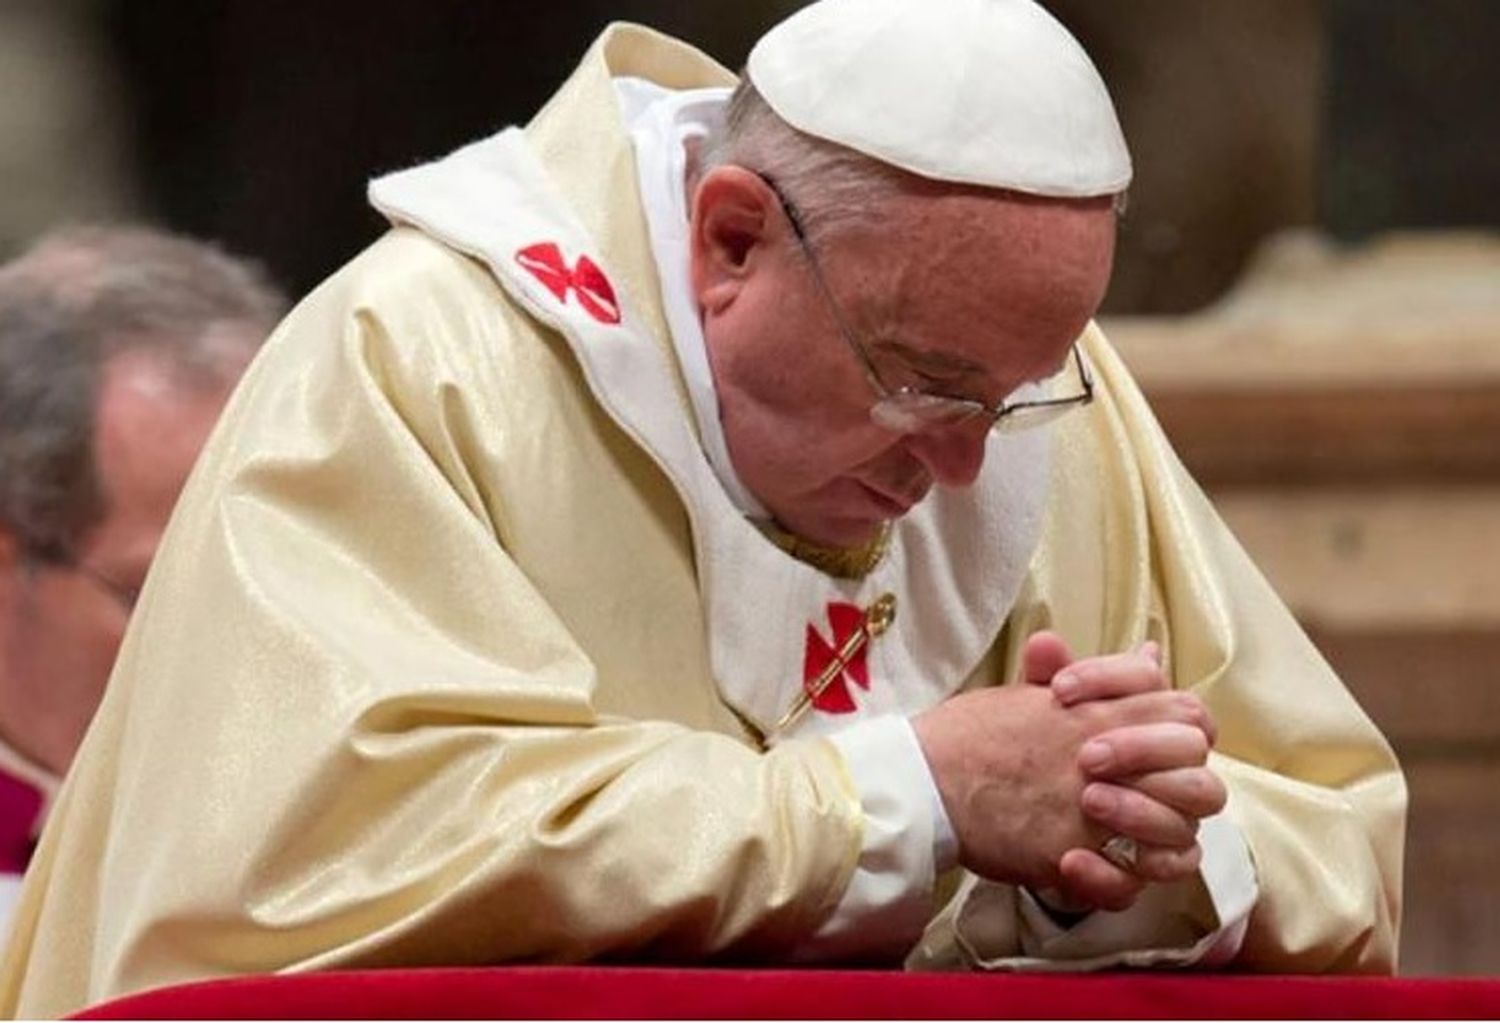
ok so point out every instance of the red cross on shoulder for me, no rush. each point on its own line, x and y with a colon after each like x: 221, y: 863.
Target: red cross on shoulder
x: 584, y: 279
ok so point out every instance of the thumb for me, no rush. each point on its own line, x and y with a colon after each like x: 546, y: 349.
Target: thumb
x: 1044, y: 655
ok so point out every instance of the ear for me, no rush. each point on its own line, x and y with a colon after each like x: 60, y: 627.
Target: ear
x: 735, y: 219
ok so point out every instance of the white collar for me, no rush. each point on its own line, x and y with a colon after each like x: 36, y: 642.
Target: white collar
x: 661, y: 122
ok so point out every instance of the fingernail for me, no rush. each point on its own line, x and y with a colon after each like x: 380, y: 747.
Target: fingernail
x: 1098, y: 799
x: 1065, y: 685
x: 1096, y: 756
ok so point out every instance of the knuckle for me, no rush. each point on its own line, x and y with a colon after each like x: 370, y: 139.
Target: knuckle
x: 1150, y: 672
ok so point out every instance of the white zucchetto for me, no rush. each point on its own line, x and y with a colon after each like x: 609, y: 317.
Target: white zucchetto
x: 982, y: 92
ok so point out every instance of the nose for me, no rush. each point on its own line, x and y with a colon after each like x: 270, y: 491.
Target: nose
x: 953, y: 456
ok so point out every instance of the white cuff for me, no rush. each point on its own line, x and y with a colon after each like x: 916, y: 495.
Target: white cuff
x: 907, y: 839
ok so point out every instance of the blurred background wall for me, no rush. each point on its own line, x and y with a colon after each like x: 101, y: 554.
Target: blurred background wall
x: 1308, y: 282
x: 258, y: 122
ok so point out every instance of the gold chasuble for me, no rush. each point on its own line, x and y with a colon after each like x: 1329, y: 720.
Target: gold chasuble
x: 455, y: 653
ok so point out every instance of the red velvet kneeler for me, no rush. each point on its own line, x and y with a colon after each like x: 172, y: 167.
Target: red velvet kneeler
x: 605, y: 992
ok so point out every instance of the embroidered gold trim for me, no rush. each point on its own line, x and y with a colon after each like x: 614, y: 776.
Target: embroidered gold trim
x: 839, y: 562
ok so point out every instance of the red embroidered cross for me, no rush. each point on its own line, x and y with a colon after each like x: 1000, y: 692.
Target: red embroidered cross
x: 596, y: 295
x: 845, y: 620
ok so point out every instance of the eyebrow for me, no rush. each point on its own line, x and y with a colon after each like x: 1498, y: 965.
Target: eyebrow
x: 945, y: 362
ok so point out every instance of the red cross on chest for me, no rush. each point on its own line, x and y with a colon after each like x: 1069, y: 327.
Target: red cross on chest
x: 845, y: 621
x: 584, y: 279
x: 828, y: 665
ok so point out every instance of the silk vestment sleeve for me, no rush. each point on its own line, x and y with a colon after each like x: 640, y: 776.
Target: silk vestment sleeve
x: 347, y: 727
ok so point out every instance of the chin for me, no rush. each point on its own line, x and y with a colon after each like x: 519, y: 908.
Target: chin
x: 844, y: 533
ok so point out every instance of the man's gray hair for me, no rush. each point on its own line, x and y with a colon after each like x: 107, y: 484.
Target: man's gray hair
x: 834, y: 187
x: 67, y: 304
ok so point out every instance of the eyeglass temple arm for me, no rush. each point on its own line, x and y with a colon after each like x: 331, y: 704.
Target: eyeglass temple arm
x: 799, y: 229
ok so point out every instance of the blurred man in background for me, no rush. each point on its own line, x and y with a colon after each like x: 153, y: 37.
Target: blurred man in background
x: 118, y: 348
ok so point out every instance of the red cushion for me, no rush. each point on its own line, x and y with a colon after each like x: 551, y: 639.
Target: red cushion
x: 603, y: 992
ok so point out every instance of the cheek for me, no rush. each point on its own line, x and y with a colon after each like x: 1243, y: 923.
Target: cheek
x: 788, y: 434
x: 793, y: 401
x: 788, y: 391
x: 74, y: 634
x: 95, y: 642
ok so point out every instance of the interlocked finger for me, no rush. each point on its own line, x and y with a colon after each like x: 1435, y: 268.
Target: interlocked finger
x: 1193, y: 790
x: 1085, y: 876
x: 1141, y: 749
x: 1133, y: 814
x: 1154, y: 863
x: 1108, y: 678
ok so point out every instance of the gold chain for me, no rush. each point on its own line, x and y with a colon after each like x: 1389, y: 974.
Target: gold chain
x: 839, y: 562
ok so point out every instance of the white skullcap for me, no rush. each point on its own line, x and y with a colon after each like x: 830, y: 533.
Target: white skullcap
x: 979, y: 92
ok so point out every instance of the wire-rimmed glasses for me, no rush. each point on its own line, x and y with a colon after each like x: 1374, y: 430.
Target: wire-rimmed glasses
x: 910, y: 410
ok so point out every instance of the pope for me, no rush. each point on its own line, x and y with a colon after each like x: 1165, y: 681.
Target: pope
x: 710, y: 524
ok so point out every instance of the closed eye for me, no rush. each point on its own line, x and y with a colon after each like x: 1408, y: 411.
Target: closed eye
x: 929, y: 370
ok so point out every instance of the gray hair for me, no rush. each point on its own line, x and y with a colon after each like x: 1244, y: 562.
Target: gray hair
x: 75, y: 298
x: 833, y: 186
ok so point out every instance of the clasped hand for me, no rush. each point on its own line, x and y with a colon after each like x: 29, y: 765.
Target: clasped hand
x: 1036, y: 776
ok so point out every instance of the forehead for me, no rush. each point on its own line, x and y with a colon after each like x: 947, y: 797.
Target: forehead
x: 990, y: 278
x: 151, y: 421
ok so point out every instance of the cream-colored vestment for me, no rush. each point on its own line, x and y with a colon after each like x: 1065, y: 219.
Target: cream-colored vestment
x: 452, y: 656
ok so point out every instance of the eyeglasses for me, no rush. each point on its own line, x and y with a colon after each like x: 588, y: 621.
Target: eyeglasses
x: 909, y: 410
